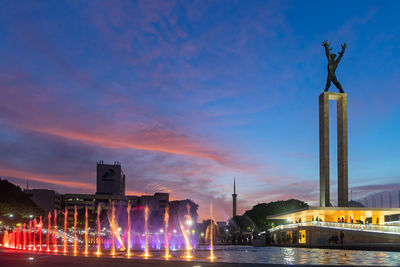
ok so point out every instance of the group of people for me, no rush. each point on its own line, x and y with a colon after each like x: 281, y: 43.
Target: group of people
x: 341, y: 220
x: 335, y: 238
x: 316, y: 219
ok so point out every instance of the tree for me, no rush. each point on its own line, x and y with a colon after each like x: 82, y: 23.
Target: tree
x: 14, y: 201
x: 260, y: 211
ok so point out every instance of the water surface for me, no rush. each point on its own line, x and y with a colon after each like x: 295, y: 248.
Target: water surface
x: 282, y: 255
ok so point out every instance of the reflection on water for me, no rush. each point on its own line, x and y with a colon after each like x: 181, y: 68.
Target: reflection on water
x: 279, y: 255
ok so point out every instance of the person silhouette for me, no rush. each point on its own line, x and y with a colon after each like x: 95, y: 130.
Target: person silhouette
x: 341, y: 237
x: 332, y: 66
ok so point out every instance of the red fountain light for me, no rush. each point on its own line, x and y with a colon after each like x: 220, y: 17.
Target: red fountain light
x: 65, y: 229
x: 40, y: 233
x: 5, y: 239
x: 24, y: 237
x: 19, y: 246
x: 86, y: 230
x: 55, y: 232
x: 75, y: 219
x: 48, y: 232
x: 12, y: 242
x: 34, y: 234
x: 30, y: 235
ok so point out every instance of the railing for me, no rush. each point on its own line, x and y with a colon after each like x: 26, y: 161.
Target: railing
x: 350, y: 226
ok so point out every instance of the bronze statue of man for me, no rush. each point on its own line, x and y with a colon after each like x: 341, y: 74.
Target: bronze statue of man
x: 332, y: 65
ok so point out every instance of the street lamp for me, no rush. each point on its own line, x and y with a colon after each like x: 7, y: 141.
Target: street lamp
x: 11, y: 215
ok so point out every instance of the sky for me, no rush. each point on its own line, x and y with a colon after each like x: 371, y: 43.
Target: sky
x: 188, y: 95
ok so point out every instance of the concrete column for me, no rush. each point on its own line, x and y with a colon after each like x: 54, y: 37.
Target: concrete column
x: 381, y: 219
x: 324, y: 150
x: 342, y: 153
x: 342, y: 149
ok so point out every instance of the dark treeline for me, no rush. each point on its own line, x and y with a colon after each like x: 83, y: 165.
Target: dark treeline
x: 14, y: 201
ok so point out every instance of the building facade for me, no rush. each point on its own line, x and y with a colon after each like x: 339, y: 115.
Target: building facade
x: 110, y: 179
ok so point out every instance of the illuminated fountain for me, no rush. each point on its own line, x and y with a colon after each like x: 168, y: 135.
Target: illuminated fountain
x: 98, y: 230
x: 24, y: 237
x: 55, y: 232
x: 113, y: 229
x: 34, y: 234
x: 146, y: 231
x: 166, y: 219
x: 210, y: 231
x: 18, y: 237
x: 40, y: 233
x: 158, y: 233
x: 128, y: 211
x: 48, y: 232
x: 5, y: 239
x: 30, y: 235
x: 65, y: 230
x: 86, y: 230
x: 186, y: 232
x: 75, y: 240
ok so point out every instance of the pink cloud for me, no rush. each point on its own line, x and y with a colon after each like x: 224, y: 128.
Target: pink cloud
x: 151, y: 140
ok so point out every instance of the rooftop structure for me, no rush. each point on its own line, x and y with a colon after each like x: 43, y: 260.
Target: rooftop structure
x: 110, y: 179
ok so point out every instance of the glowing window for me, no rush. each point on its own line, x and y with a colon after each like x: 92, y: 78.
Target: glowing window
x: 302, y: 236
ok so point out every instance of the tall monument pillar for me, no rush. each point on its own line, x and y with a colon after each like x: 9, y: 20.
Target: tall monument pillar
x: 341, y: 99
x: 234, y: 196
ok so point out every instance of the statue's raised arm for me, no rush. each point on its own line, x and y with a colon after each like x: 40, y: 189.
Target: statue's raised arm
x: 326, y: 44
x: 341, y: 53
